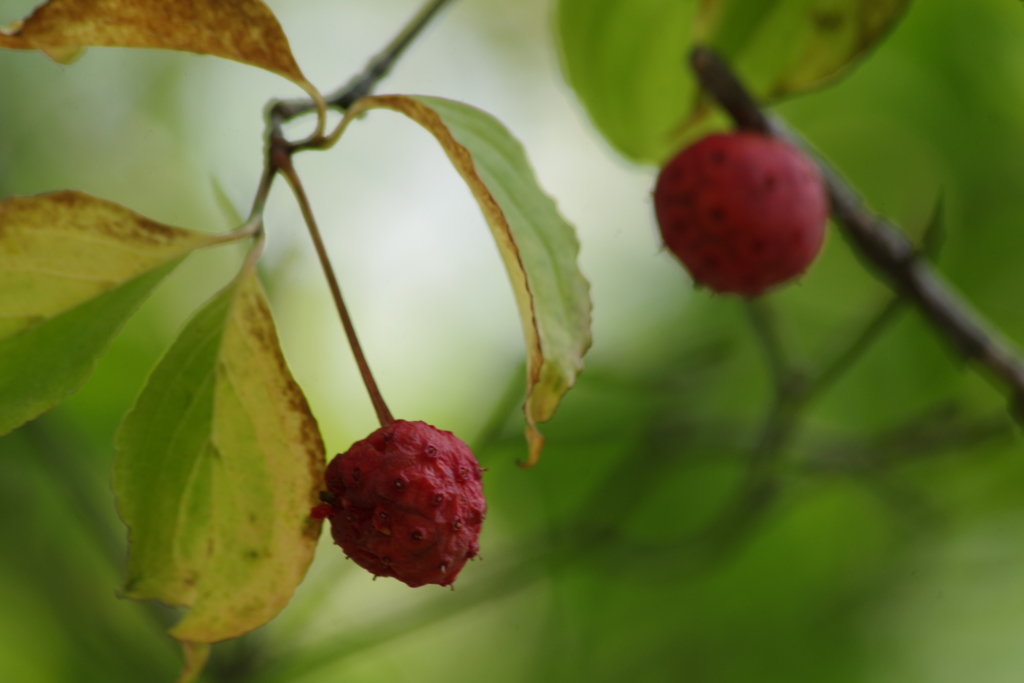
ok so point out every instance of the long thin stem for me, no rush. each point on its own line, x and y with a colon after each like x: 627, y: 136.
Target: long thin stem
x: 284, y: 164
x: 279, y: 159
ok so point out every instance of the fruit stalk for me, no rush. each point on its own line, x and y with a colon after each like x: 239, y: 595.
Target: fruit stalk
x: 284, y: 164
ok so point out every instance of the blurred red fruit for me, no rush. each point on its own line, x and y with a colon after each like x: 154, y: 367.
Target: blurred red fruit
x: 743, y: 212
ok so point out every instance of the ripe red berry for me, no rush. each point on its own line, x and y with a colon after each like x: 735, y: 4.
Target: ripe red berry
x: 406, y: 502
x: 742, y: 212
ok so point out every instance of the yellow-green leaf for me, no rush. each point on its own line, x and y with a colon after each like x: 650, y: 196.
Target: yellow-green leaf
x: 218, y: 465
x: 73, y: 268
x: 242, y: 30
x: 538, y: 246
x: 781, y: 47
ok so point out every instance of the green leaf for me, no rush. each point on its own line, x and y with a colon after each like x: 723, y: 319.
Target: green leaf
x: 627, y: 59
x: 537, y: 245
x: 73, y: 269
x: 218, y: 465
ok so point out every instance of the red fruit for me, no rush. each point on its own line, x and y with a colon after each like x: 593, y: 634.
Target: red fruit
x: 743, y: 212
x: 406, y: 502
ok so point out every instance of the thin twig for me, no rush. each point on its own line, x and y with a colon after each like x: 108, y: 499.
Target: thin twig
x: 375, y: 70
x: 284, y: 164
x: 380, y: 65
x: 762, y: 319
x: 513, y: 576
x: 941, y: 429
x: 259, y: 202
x: 762, y: 485
x: 780, y: 424
x: 880, y: 244
x: 832, y: 370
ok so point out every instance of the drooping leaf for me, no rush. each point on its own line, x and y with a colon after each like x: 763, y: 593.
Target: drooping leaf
x: 538, y: 246
x: 627, y: 59
x: 218, y: 464
x: 242, y: 30
x: 73, y: 269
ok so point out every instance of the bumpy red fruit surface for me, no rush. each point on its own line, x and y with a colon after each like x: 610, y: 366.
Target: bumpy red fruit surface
x: 406, y: 502
x: 742, y: 212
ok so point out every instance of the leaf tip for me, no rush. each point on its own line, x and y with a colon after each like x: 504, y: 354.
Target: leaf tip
x: 64, y: 54
x: 535, y: 443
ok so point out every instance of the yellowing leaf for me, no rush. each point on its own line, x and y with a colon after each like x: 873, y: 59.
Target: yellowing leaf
x: 539, y: 248
x: 73, y: 268
x: 218, y: 465
x: 782, y: 47
x: 243, y: 30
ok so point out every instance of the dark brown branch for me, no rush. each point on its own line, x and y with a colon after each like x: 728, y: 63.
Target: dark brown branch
x: 887, y: 313
x: 719, y: 81
x: 886, y: 250
x: 378, y: 67
x: 375, y: 70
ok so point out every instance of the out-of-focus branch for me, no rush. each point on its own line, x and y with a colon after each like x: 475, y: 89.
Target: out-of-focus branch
x: 762, y: 319
x: 858, y: 344
x: 885, y: 249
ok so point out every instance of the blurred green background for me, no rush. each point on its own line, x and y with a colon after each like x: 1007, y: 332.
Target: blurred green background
x: 895, y: 548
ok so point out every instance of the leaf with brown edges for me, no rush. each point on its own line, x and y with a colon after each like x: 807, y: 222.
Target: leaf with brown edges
x: 242, y: 30
x: 73, y: 269
x: 218, y: 465
x: 538, y: 246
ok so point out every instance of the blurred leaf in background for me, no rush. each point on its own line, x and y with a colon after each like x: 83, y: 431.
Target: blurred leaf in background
x: 626, y: 60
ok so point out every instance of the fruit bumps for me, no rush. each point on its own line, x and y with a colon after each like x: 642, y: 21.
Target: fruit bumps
x: 406, y: 502
x: 742, y: 212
